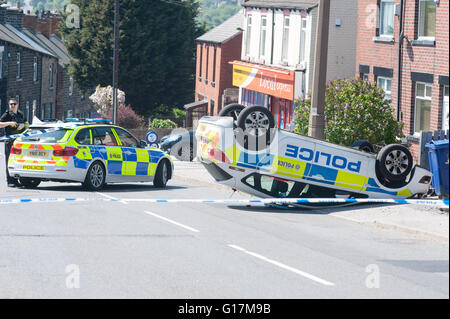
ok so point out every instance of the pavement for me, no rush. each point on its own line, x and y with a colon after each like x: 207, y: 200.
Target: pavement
x: 426, y: 222
x: 208, y: 251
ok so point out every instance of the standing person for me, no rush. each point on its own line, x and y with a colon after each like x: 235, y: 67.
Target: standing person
x: 13, y: 121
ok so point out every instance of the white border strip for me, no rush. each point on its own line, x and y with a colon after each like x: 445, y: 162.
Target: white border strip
x: 173, y: 222
x: 286, y: 267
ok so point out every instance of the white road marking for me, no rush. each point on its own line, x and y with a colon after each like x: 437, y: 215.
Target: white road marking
x: 173, y: 222
x: 286, y: 267
x: 110, y: 197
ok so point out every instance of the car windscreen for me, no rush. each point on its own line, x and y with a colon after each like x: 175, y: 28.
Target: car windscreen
x: 58, y: 136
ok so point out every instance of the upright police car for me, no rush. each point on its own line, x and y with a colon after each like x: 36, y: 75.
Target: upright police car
x: 242, y: 149
x: 91, y: 152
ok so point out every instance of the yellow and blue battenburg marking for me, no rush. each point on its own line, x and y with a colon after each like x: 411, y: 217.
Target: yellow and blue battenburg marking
x: 309, y: 172
x: 120, y: 160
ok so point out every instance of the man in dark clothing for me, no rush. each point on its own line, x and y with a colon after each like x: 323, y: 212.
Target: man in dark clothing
x: 14, y: 123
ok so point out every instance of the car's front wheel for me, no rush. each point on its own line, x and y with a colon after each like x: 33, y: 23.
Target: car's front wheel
x: 394, y: 162
x: 256, y: 128
x: 162, y: 175
x: 183, y: 151
x: 95, y: 178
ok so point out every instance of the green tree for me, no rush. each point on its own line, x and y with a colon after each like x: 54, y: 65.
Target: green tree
x: 157, y: 50
x: 354, y: 110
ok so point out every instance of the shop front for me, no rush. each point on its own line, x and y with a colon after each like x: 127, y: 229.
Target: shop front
x: 274, y: 88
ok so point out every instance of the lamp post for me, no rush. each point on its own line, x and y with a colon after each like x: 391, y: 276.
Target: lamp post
x: 116, y: 60
x: 317, y: 118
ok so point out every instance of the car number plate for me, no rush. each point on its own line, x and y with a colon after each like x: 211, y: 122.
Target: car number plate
x: 34, y: 167
x: 38, y: 153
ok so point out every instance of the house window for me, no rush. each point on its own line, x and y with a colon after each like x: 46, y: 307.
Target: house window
x: 262, y: 42
x: 19, y: 58
x: 302, y: 41
x: 248, y: 35
x: 445, y: 109
x: 213, y: 105
x: 213, y: 83
x: 207, y: 63
x: 385, y: 84
x: 284, y: 49
x: 35, y: 69
x: 201, y: 62
x: 423, y: 107
x: 387, y: 13
x: 50, y: 76
x: 71, y: 86
x: 427, y: 18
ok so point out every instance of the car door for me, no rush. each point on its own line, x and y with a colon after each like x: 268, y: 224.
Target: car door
x: 106, y: 147
x: 137, y: 160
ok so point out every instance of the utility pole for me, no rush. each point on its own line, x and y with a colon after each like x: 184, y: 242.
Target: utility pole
x: 317, y: 117
x: 116, y: 60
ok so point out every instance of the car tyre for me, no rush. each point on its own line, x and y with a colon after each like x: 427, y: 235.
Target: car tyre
x: 256, y: 128
x: 364, y: 146
x: 183, y: 151
x: 232, y: 110
x: 394, y: 162
x: 95, y: 177
x: 29, y: 182
x: 162, y: 174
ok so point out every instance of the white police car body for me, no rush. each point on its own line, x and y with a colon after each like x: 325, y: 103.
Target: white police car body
x: 282, y: 164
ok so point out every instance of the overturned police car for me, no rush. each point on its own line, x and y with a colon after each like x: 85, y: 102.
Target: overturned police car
x: 242, y: 148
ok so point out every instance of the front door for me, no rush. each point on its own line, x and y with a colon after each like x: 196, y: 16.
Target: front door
x: 105, y: 146
x: 138, y: 162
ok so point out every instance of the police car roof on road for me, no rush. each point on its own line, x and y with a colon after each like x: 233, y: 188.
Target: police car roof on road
x: 90, y: 152
x: 242, y: 148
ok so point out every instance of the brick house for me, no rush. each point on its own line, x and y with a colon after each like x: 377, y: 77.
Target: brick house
x: 213, y: 80
x: 22, y: 65
x: 70, y: 101
x: 278, y: 52
x: 420, y: 55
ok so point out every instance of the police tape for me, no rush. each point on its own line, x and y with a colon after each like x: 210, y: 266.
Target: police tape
x: 32, y: 133
x: 279, y: 201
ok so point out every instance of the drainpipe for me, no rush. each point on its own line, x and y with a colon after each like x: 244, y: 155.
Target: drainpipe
x: 401, y: 36
x: 273, y: 35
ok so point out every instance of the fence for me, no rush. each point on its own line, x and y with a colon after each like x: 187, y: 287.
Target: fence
x: 427, y: 137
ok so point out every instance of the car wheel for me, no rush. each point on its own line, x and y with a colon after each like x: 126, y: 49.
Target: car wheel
x: 183, y: 151
x: 29, y: 182
x: 232, y: 110
x: 364, y: 146
x: 96, y: 176
x: 394, y: 162
x: 256, y: 128
x: 162, y: 175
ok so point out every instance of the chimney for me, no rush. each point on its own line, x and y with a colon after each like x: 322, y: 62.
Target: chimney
x: 18, y: 5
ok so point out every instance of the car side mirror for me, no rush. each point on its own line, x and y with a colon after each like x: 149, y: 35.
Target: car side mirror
x: 142, y: 144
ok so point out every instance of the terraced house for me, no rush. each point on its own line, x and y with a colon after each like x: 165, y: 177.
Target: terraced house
x: 23, y: 69
x: 277, y: 58
x: 403, y: 45
x: 33, y: 68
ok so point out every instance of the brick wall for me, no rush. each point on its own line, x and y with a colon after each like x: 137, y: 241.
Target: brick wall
x: 47, y: 108
x: 47, y: 24
x: 420, y: 58
x: 78, y: 103
x: 25, y: 88
x: 225, y: 52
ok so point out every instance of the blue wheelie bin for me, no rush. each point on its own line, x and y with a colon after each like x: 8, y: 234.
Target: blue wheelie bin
x: 438, y: 159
